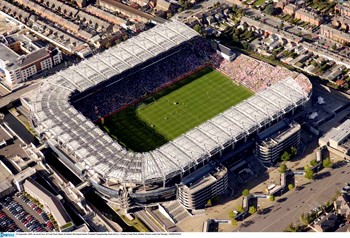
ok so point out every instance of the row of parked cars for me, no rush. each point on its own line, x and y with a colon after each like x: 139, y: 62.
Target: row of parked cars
x: 49, y: 225
x: 22, y: 215
x: 7, y: 224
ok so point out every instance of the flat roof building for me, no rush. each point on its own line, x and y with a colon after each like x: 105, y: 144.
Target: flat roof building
x: 51, y: 203
x: 15, y: 68
x: 196, y: 189
x: 272, y: 142
x: 338, y: 138
x: 6, y: 187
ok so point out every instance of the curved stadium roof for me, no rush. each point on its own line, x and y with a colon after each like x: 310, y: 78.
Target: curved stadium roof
x: 93, y: 149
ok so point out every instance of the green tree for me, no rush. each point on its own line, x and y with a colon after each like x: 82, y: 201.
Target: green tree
x: 234, y: 222
x: 231, y: 214
x: 180, y: 9
x: 168, y: 15
x: 249, y: 34
x: 198, y: 28
x: 281, y: 25
x: 293, y: 151
x: 283, y: 168
x: 290, y: 187
x: 117, y: 41
x: 245, y: 45
x: 234, y: 7
x: 293, y: 228
x: 304, y: 219
x: 252, y: 210
x: 209, y: 203
x: 272, y: 198
x: 216, y: 199
x: 313, y: 162
x: 108, y: 44
x: 269, y: 9
x: 239, y: 209
x: 309, y: 173
x: 334, y: 47
x: 285, y: 156
x: 327, y: 163
x: 245, y: 192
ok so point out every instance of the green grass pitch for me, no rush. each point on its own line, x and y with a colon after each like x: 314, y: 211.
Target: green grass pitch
x: 175, y: 110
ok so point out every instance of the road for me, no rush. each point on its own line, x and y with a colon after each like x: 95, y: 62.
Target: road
x: 148, y: 221
x: 17, y: 94
x: 200, y: 7
x: 297, y: 202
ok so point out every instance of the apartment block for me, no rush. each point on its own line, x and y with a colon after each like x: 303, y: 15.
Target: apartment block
x: 15, y: 68
x: 309, y: 17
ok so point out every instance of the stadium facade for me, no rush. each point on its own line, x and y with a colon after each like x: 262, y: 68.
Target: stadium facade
x: 128, y: 177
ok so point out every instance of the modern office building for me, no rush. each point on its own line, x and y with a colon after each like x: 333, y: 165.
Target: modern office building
x: 272, y: 142
x: 50, y: 202
x: 16, y: 68
x: 338, y: 138
x: 196, y: 189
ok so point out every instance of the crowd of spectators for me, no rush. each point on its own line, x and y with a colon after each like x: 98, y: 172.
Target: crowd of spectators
x: 140, y: 82
x: 304, y: 82
x: 254, y: 74
x: 137, y: 83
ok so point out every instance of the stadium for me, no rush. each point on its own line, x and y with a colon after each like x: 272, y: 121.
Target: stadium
x: 72, y: 106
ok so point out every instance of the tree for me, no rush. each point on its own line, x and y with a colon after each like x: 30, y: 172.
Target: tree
x: 293, y: 227
x: 234, y: 222
x: 304, y: 219
x: 234, y: 7
x: 108, y: 44
x: 327, y: 163
x: 117, y: 41
x: 283, y: 168
x: 216, y: 199
x: 281, y: 25
x: 180, y: 9
x: 245, y: 45
x: 198, y: 28
x: 334, y: 47
x: 239, y: 209
x: 313, y: 162
x: 293, y: 151
x: 269, y: 9
x: 245, y: 193
x: 168, y: 15
x: 285, y: 156
x: 290, y: 186
x: 231, y: 214
x: 209, y: 203
x: 252, y: 210
x: 272, y: 198
x: 309, y: 173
